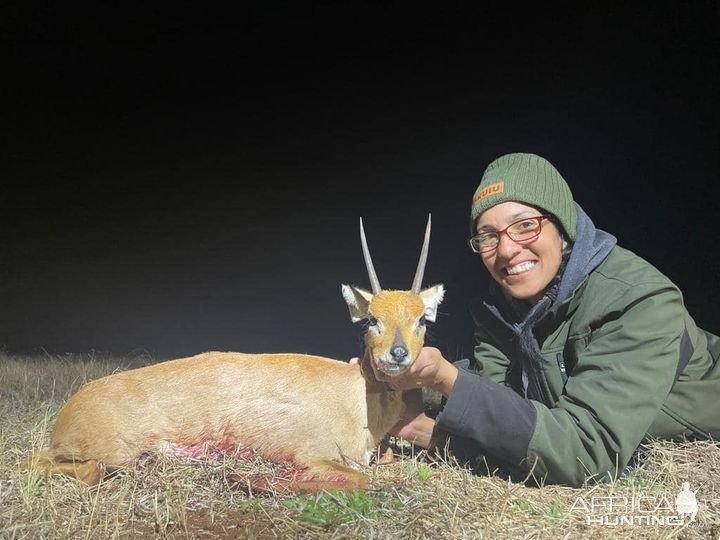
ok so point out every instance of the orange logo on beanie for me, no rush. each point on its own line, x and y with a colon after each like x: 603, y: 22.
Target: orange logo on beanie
x: 492, y: 189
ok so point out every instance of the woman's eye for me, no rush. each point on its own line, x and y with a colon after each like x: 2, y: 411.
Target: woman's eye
x: 529, y: 224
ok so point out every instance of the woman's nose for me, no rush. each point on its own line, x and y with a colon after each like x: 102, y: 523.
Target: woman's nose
x: 507, y: 247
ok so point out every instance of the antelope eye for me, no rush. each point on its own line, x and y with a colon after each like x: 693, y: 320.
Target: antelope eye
x: 372, y: 321
x: 422, y: 321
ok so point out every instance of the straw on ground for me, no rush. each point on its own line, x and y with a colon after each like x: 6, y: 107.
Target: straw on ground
x: 414, y: 497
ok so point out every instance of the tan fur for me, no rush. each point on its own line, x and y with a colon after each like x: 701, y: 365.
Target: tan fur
x: 320, y: 416
x: 396, y: 311
x: 286, y: 407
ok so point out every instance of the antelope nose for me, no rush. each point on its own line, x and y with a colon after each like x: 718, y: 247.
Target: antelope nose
x: 399, y: 353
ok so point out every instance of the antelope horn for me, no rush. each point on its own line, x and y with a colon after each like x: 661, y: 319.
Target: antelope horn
x: 374, y: 283
x: 417, y: 282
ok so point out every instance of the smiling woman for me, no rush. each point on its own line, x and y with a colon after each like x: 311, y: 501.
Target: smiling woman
x: 583, y: 349
x: 524, y: 256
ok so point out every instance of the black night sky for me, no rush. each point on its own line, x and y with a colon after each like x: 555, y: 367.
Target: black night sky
x: 176, y: 180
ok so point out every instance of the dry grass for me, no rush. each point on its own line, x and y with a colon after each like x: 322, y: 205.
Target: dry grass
x: 411, y: 498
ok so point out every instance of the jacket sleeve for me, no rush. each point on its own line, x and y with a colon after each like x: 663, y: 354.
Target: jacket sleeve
x: 491, y: 363
x: 615, y: 392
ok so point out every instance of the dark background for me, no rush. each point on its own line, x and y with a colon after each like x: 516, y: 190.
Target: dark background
x: 179, y: 179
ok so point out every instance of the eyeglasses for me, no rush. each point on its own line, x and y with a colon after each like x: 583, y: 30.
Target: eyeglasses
x: 521, y: 231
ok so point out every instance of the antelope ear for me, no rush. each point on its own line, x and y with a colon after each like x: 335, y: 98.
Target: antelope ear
x: 431, y: 297
x: 357, y: 300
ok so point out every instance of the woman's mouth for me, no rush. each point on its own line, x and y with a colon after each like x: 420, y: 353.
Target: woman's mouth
x: 520, y: 268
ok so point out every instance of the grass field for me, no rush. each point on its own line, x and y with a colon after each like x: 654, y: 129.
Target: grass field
x: 414, y: 497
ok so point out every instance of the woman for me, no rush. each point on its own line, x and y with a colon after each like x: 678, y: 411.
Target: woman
x: 583, y: 348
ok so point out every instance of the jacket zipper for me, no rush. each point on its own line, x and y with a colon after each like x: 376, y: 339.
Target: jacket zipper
x: 561, y: 364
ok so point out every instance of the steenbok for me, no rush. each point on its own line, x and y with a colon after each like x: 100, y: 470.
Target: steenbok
x: 322, y: 416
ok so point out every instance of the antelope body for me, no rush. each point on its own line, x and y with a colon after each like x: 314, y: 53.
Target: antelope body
x: 324, y: 415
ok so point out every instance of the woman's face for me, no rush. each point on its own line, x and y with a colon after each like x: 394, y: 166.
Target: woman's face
x: 525, y: 269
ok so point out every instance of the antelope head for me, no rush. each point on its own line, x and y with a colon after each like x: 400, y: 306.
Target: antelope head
x: 395, y: 320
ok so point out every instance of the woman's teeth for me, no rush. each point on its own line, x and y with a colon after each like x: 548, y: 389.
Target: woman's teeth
x: 522, y: 267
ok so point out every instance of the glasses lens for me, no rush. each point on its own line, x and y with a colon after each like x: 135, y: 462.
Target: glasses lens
x: 484, y: 242
x: 524, y: 229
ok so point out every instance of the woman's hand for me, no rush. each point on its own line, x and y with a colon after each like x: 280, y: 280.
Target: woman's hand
x: 429, y: 369
x: 414, y: 426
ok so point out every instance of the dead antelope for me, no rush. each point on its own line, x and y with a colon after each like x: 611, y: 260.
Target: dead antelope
x: 321, y: 415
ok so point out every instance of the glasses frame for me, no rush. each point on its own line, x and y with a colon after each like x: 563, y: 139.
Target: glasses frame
x: 499, y: 234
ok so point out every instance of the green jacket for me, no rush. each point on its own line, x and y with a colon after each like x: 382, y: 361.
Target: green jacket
x: 622, y: 361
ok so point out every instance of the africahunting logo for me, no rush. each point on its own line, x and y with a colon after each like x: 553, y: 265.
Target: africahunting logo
x: 639, y: 510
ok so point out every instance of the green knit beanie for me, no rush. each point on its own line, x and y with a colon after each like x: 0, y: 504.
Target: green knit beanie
x: 529, y: 179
